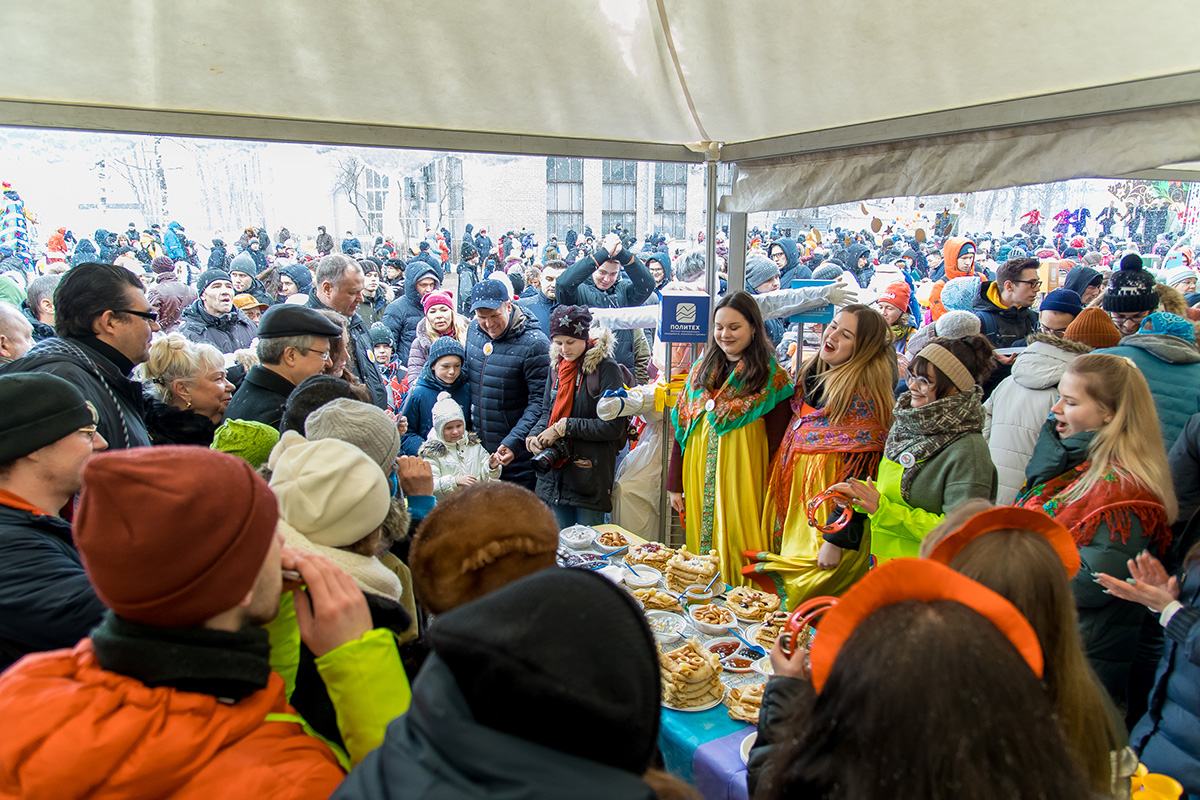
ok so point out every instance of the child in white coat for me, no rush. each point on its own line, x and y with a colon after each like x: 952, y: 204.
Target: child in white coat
x: 458, y: 458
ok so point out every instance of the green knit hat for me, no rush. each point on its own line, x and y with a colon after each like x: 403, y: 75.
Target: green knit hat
x: 246, y: 439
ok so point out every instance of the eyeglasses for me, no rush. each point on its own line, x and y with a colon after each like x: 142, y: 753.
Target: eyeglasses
x: 89, y: 433
x: 1058, y: 332
x: 1035, y: 283
x: 1124, y: 320
x: 324, y: 354
x: 917, y: 383
x: 150, y: 315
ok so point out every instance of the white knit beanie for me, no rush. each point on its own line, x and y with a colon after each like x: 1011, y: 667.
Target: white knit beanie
x: 361, y: 424
x: 445, y: 410
x: 328, y: 490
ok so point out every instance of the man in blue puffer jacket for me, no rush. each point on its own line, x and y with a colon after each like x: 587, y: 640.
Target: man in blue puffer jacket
x: 507, y: 365
x: 786, y: 255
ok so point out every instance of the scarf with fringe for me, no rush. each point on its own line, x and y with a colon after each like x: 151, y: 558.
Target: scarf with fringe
x: 855, y: 443
x: 1114, y: 500
x: 921, y: 433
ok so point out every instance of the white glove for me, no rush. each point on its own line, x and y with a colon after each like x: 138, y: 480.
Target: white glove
x: 841, y: 295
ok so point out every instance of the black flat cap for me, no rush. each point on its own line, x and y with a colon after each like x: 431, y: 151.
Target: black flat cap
x: 293, y: 320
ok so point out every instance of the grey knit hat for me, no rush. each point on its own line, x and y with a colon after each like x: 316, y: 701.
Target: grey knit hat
x: 829, y: 271
x: 957, y: 324
x: 759, y: 270
x: 361, y: 424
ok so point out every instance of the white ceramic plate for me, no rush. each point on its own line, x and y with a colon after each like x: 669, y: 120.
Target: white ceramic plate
x: 748, y: 743
x: 704, y: 707
x: 604, y: 548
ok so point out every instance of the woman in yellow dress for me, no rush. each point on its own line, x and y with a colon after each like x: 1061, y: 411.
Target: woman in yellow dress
x: 842, y: 410
x: 720, y: 455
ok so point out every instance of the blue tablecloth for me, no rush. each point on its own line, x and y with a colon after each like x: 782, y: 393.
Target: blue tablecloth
x: 703, y: 748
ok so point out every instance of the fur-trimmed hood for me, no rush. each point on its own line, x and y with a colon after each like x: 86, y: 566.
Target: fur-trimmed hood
x: 435, y: 446
x: 605, y: 344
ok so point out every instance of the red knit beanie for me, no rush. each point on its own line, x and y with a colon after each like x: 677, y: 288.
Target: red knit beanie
x: 173, y: 536
x: 897, y: 294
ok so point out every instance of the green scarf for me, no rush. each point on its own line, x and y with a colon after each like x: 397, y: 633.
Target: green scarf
x: 918, y: 434
x: 730, y: 410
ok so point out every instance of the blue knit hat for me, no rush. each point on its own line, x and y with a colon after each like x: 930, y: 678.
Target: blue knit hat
x: 445, y: 346
x: 1169, y: 324
x: 1064, y: 300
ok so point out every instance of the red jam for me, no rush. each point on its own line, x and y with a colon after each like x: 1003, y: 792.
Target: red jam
x: 724, y: 649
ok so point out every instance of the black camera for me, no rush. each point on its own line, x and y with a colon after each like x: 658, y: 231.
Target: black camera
x: 552, y: 457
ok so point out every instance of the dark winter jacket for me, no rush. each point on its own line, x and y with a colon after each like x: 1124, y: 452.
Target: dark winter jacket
x: 793, y: 270
x: 362, y: 361
x: 418, y: 407
x: 169, y: 425
x: 1110, y: 627
x: 576, y: 287
x: 41, y: 330
x: 853, y: 253
x: 1171, y: 366
x: 324, y: 243
x: 258, y: 292
x: 507, y: 388
x: 1167, y: 738
x: 1184, y: 460
x: 228, y: 332
x: 351, y: 245
x: 1002, y: 326
x: 106, y: 245
x: 439, y: 750
x: 429, y: 259
x: 404, y: 313
x: 218, y: 256
x: 46, y: 601
x: 468, y: 276
x: 539, y: 307
x: 300, y: 276
x: 261, y: 397
x: 586, y: 479
x: 780, y: 699
x: 1079, y: 278
x: 85, y: 253
x: 102, y: 374
x: 371, y: 308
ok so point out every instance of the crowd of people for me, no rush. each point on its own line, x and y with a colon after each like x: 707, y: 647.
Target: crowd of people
x: 289, y: 520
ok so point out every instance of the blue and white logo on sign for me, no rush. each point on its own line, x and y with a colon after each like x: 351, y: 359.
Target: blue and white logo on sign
x: 684, y: 318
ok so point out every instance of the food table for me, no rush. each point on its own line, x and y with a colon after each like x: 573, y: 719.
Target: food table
x: 702, y: 747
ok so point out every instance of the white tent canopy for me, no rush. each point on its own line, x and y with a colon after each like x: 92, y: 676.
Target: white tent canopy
x: 816, y: 102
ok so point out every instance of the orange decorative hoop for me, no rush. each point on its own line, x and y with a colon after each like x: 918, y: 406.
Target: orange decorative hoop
x: 839, y: 523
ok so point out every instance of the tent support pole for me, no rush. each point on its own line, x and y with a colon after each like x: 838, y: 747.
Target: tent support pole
x: 711, y: 284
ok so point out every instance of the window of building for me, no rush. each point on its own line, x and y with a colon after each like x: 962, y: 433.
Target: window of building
x: 564, y: 196
x: 375, y: 187
x: 670, y: 200
x: 619, y: 198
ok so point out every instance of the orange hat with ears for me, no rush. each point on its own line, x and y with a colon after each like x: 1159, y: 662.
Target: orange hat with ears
x: 916, y: 579
x: 1009, y: 518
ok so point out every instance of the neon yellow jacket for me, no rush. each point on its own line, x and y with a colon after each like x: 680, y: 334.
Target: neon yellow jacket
x: 364, y: 678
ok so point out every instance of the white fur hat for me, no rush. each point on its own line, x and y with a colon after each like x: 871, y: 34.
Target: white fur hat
x: 445, y: 410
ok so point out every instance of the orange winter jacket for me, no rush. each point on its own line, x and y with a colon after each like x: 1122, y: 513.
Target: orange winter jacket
x: 950, y: 252
x: 72, y: 730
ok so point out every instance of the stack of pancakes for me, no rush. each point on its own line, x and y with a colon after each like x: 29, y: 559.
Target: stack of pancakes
x: 691, y: 676
x: 772, y: 625
x: 750, y: 604
x: 745, y: 702
x: 685, y: 569
x: 652, y: 554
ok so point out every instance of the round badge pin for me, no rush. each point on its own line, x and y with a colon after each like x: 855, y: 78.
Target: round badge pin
x: 907, y: 460
x: 710, y: 405
x: 487, y: 349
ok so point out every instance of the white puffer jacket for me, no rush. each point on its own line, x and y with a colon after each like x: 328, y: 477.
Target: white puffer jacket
x: 466, y: 457
x: 1020, y: 405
